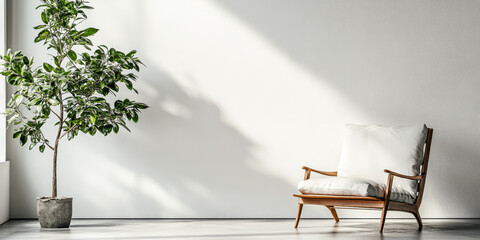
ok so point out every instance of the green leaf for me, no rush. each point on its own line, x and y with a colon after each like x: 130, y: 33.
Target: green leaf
x: 6, y: 73
x: 93, y: 119
x: 23, y: 140
x: 25, y: 60
x: 12, y: 119
x: 39, y: 27
x: 46, y: 111
x: 24, y: 68
x: 32, y: 145
x: 72, y: 54
x: 53, y: 102
x: 28, y: 77
x: 130, y: 54
x: 88, y: 32
x: 141, y: 105
x: 17, y: 134
x: 18, y: 99
x: 35, y: 101
x: 42, y: 148
x: 44, y: 17
x: 11, y: 79
x: 55, y: 59
x: 47, y: 67
x: 70, y: 135
x: 42, y: 35
x: 39, y: 38
x: 129, y: 84
x: 43, y: 5
x: 97, y: 100
x: 115, y: 128
x: 79, y: 113
x: 135, y: 117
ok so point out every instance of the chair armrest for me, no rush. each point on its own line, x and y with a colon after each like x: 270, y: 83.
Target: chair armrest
x: 418, y: 177
x: 391, y: 174
x: 309, y: 170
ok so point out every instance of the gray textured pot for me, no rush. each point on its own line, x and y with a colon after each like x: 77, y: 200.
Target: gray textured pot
x: 54, y: 212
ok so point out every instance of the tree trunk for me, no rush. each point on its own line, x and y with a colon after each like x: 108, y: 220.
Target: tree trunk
x: 55, y: 149
x: 54, y: 181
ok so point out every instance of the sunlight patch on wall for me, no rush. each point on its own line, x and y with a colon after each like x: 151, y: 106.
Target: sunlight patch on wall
x: 113, y: 185
x: 108, y: 188
x: 151, y: 188
x: 291, y: 115
x: 175, y: 108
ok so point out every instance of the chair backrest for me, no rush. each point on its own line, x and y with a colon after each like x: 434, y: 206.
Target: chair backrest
x: 368, y: 150
x: 426, y: 156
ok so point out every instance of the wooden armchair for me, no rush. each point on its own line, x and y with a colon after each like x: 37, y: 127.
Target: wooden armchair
x: 371, y: 202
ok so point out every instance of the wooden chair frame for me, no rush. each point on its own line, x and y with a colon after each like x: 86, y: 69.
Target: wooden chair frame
x: 332, y: 201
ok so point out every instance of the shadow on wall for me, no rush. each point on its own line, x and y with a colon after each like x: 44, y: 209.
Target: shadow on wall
x: 181, y: 160
x: 400, y: 63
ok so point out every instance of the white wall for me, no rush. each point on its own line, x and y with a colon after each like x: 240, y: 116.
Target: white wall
x: 243, y: 93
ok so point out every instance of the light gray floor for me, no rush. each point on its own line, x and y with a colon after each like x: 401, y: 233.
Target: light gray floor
x: 245, y: 229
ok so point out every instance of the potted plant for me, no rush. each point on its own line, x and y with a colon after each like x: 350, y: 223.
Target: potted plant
x: 76, y: 90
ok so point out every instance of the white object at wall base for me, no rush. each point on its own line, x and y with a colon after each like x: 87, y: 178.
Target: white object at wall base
x: 4, y: 191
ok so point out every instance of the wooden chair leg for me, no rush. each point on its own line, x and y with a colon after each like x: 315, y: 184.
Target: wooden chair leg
x: 419, y: 219
x: 299, y: 213
x: 382, y: 221
x: 334, y: 213
x: 388, y: 192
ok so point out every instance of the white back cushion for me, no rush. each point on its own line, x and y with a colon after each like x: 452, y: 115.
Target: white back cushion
x: 368, y: 150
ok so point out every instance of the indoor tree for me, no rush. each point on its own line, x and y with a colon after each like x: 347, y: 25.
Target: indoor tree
x: 76, y: 88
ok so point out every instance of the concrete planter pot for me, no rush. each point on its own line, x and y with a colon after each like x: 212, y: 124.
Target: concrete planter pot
x: 54, y: 212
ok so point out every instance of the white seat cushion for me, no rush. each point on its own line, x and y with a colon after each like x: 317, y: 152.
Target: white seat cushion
x: 368, y: 150
x: 351, y: 187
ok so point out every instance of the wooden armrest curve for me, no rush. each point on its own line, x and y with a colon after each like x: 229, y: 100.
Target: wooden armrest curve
x: 334, y: 173
x: 418, y: 177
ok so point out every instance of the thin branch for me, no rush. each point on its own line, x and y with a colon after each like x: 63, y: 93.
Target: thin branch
x: 58, y: 116
x: 45, y: 140
x: 69, y: 130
